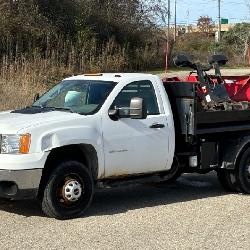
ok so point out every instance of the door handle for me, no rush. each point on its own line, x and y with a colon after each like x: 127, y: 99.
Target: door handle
x: 157, y: 125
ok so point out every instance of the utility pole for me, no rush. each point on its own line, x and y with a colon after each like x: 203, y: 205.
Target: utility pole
x: 187, y: 30
x: 168, y: 37
x: 168, y: 30
x: 175, y: 19
x: 219, y: 32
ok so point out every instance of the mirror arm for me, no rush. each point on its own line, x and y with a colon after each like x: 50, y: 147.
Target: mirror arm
x: 128, y: 108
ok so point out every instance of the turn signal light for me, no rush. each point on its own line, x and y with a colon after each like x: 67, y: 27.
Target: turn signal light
x: 24, y: 145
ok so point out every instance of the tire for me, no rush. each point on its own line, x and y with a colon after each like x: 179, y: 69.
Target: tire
x: 68, y: 191
x: 243, y: 172
x: 173, y: 174
x: 227, y: 180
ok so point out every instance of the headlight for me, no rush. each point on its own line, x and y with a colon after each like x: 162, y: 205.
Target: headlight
x: 15, y: 144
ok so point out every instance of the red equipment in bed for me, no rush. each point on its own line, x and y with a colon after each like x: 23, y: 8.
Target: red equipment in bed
x: 238, y: 87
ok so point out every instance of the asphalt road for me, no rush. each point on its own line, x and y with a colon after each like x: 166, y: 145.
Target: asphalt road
x: 193, y: 213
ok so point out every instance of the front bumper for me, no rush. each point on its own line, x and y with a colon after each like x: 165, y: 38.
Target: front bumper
x: 20, y: 175
x: 20, y: 184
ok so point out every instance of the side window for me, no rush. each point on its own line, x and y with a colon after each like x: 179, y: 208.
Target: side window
x: 143, y: 89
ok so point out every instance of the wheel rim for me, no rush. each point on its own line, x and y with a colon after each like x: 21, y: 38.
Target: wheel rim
x: 70, y: 191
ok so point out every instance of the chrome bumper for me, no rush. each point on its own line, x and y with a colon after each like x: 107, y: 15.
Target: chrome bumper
x: 26, y: 183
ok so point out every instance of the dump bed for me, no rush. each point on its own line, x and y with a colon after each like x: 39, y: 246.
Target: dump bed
x: 191, y: 120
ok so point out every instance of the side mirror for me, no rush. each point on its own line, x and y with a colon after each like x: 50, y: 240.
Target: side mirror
x: 220, y: 59
x: 114, y: 114
x: 36, y: 97
x: 138, y: 108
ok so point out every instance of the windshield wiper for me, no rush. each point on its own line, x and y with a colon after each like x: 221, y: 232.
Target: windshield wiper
x: 62, y: 109
x: 34, y: 106
x: 68, y: 109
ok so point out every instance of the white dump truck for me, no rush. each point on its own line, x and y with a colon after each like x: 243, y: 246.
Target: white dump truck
x: 105, y: 130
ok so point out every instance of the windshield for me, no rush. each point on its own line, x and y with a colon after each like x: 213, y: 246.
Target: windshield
x: 80, y: 96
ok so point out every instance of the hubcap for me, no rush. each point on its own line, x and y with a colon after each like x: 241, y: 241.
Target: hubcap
x: 72, y: 190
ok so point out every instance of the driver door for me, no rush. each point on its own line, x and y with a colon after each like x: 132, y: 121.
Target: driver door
x: 134, y: 146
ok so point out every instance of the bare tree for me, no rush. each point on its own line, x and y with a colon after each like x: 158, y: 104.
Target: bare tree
x: 205, y: 24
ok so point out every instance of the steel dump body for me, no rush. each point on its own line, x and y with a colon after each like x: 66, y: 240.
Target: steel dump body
x: 185, y: 104
x: 205, y: 133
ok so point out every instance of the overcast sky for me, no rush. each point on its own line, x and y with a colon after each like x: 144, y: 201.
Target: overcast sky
x: 235, y: 10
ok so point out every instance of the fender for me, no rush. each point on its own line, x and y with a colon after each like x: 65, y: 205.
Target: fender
x: 68, y: 136
x: 73, y: 136
x: 231, y: 150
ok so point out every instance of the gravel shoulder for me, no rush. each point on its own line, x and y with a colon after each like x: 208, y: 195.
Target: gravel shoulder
x: 193, y: 213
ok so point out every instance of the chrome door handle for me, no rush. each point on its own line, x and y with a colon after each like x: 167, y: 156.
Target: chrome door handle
x: 157, y: 125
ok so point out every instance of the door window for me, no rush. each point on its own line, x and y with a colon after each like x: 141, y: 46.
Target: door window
x: 142, y: 89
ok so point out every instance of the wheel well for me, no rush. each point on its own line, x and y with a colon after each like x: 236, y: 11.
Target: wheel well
x: 84, y: 153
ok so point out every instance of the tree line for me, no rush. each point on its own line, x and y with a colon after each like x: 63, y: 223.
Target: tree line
x: 102, y: 35
x: 78, y: 32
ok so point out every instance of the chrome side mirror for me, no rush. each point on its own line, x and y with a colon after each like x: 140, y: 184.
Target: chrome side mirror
x: 138, y: 108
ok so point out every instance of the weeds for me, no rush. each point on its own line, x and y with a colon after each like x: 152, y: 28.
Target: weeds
x: 23, y: 77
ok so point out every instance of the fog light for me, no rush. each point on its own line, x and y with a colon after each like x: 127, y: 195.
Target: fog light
x: 9, y: 188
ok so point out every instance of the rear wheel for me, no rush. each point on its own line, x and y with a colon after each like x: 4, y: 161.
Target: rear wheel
x: 243, y: 172
x: 227, y: 179
x: 68, y: 192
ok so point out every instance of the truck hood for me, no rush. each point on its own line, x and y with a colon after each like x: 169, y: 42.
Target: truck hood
x: 13, y: 122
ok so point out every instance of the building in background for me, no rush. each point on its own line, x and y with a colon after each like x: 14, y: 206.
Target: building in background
x: 183, y: 29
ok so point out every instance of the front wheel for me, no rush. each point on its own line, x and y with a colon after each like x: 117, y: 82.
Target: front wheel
x: 173, y: 174
x: 68, y: 192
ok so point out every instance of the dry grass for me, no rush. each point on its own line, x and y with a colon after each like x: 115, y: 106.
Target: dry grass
x: 21, y: 80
